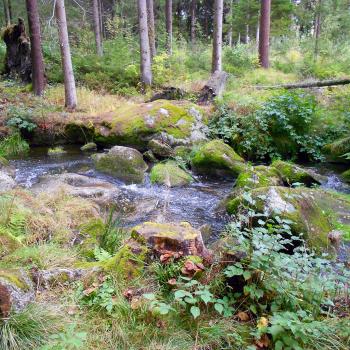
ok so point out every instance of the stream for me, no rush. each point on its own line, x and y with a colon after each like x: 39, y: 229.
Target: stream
x: 195, y: 203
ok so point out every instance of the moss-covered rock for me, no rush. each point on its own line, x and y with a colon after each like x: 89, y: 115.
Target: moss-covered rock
x: 174, y: 238
x: 303, y: 207
x: 258, y: 176
x: 170, y: 175
x: 124, y: 163
x: 16, y: 291
x: 346, y: 176
x: 218, y: 159
x: 160, y: 149
x: 291, y: 173
x: 8, y: 242
x: 89, y: 147
x: 150, y: 157
x: 335, y: 151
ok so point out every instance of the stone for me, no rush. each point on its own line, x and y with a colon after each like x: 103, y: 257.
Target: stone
x: 16, y: 291
x: 346, y: 176
x: 91, y: 146
x: 150, y: 157
x: 99, y: 191
x: 124, y: 163
x: 170, y: 175
x: 171, y: 238
x: 6, y: 182
x: 216, y: 158
x: 160, y: 149
x: 291, y: 173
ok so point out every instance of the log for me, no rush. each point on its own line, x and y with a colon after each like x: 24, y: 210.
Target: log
x: 213, y: 88
x: 306, y: 85
x: 17, y: 60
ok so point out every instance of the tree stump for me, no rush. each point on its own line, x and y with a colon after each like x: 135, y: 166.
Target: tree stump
x: 17, y: 59
x: 214, y: 87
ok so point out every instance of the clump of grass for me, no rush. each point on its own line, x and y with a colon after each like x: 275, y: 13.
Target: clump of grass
x: 13, y: 146
x: 28, y: 329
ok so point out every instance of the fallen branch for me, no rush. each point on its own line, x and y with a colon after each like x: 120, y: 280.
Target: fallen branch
x: 305, y: 85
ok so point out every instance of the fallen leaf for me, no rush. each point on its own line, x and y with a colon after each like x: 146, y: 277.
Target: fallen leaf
x: 243, y: 316
x: 263, y: 342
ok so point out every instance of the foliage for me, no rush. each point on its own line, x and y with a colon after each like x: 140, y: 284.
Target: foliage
x: 281, y: 128
x: 13, y: 145
x: 20, y: 118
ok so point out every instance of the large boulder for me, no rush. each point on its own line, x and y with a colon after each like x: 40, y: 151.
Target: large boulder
x: 101, y: 192
x: 171, y: 238
x: 216, y: 158
x: 291, y: 173
x: 312, y: 212
x: 346, y: 176
x: 16, y: 291
x: 170, y: 175
x: 124, y: 163
x: 160, y: 149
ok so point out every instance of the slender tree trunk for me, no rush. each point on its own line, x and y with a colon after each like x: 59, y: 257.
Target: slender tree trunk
x: 169, y: 25
x: 146, y: 72
x: 151, y: 28
x: 317, y: 28
x: 10, y: 10
x: 38, y: 70
x: 230, y: 32
x: 100, y: 13
x: 257, y: 35
x: 217, y: 42
x: 97, y: 27
x: 264, y: 40
x: 69, y: 81
x: 7, y: 13
x: 193, y: 21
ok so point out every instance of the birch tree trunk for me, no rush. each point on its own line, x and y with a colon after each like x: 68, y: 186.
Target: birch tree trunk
x: 217, y: 42
x: 69, y: 81
x: 97, y: 27
x: 264, y: 40
x: 169, y: 25
x: 151, y: 28
x: 193, y: 21
x: 146, y: 72
x: 38, y: 70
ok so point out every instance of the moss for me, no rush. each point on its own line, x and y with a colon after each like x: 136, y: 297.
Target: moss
x: 346, y: 176
x: 215, y: 158
x: 8, y: 242
x: 338, y: 148
x: 4, y: 162
x: 170, y: 174
x: 15, y: 277
x: 129, y: 262
x: 91, y: 146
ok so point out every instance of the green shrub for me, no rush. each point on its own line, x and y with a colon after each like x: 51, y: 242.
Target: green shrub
x: 20, y: 118
x: 281, y: 128
x: 13, y: 146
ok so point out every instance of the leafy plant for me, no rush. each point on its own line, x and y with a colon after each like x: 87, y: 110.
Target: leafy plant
x: 13, y: 146
x: 20, y: 118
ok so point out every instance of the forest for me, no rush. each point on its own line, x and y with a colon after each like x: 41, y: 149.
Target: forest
x: 174, y: 174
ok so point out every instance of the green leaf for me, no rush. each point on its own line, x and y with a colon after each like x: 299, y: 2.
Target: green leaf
x: 195, y: 311
x: 247, y: 275
x: 219, y: 308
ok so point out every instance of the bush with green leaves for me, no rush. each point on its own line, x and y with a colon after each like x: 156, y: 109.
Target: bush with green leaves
x: 282, y: 128
x: 20, y: 118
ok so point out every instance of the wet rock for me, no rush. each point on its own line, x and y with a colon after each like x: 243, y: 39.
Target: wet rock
x: 335, y: 238
x: 16, y: 291
x: 218, y: 159
x: 101, y: 192
x: 150, y: 157
x: 291, y: 173
x: 160, y: 149
x: 124, y: 163
x: 6, y: 182
x: 89, y: 147
x: 175, y: 238
x: 346, y: 176
x: 258, y: 176
x: 170, y: 175
x: 206, y: 231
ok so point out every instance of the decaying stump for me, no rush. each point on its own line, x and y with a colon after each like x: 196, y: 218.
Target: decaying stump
x: 214, y: 87
x: 169, y: 93
x: 17, y: 60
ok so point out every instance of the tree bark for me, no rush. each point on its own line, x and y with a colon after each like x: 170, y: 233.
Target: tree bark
x: 193, y: 21
x: 264, y: 40
x: 151, y: 28
x: 169, y: 25
x: 146, y: 72
x: 97, y: 27
x: 213, y: 88
x: 69, y: 81
x: 217, y: 42
x: 7, y: 13
x: 38, y: 70
x: 317, y: 28
x: 230, y: 32
x: 321, y: 83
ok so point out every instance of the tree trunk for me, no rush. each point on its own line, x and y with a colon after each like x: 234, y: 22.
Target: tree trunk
x: 193, y: 21
x: 69, y: 82
x: 97, y: 27
x: 317, y: 29
x: 230, y: 32
x: 151, y: 28
x: 169, y: 25
x: 264, y: 40
x: 146, y: 72
x: 313, y: 84
x: 7, y: 13
x: 10, y: 10
x: 217, y: 42
x: 38, y: 70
